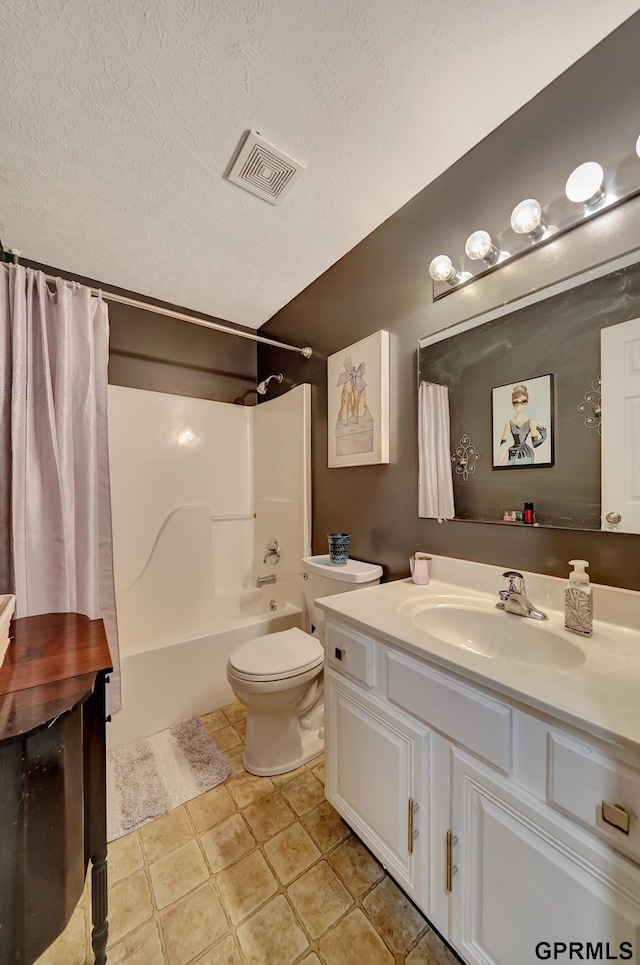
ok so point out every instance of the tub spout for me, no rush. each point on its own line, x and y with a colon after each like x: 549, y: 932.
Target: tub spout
x: 264, y: 580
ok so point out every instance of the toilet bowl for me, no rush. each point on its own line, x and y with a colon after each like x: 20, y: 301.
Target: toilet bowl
x: 279, y: 679
x: 279, y: 676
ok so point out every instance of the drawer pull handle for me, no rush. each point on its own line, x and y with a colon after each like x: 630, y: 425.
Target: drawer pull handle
x: 451, y: 868
x: 616, y: 816
x: 340, y: 653
x: 411, y: 833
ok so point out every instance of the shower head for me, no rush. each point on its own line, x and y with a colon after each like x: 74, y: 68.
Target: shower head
x: 263, y: 386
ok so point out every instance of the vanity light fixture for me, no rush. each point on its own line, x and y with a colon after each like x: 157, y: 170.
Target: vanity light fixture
x: 441, y: 269
x: 480, y: 247
x: 585, y: 184
x: 526, y: 219
x: 588, y: 192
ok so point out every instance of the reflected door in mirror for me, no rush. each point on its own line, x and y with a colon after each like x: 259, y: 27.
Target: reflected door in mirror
x: 620, y: 352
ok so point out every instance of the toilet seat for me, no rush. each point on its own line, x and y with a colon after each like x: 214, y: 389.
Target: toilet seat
x: 276, y: 656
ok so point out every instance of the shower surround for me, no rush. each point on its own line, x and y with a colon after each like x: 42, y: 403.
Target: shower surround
x: 198, y: 489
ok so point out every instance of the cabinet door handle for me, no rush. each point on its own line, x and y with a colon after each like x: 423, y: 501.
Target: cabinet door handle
x: 340, y: 653
x: 411, y: 834
x: 451, y: 869
x: 616, y: 816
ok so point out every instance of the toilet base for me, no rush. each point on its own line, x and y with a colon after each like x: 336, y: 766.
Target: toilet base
x: 306, y: 745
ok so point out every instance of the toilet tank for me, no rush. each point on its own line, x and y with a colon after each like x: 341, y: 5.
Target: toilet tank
x: 322, y: 578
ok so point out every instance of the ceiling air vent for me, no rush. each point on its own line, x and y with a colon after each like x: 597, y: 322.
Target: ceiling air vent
x: 264, y: 170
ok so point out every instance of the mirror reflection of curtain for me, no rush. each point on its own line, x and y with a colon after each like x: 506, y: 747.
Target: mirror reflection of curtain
x: 55, y: 512
x: 435, y: 480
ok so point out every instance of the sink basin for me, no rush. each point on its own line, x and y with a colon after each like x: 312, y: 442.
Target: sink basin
x: 497, y: 635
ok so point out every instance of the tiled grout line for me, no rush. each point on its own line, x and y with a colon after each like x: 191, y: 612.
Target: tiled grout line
x: 196, y: 835
x: 356, y: 902
x: 212, y: 877
x: 203, y: 955
x: 283, y: 889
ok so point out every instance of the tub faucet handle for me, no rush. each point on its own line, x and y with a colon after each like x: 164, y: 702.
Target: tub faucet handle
x: 272, y: 553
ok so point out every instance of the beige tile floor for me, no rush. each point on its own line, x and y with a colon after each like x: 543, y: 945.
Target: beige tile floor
x: 260, y: 871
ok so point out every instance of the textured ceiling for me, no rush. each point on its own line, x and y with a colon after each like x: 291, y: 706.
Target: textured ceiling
x: 119, y: 118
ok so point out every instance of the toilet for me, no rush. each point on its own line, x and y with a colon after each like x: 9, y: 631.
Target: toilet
x: 279, y: 676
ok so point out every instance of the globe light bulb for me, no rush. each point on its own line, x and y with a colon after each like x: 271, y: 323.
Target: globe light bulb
x: 638, y: 146
x: 441, y: 269
x: 526, y: 219
x: 479, y: 247
x: 585, y: 184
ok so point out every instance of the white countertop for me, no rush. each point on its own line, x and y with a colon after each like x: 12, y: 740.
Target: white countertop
x: 601, y: 696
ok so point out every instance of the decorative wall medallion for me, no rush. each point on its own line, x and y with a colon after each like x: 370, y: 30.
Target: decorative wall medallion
x: 463, y: 457
x: 593, y: 398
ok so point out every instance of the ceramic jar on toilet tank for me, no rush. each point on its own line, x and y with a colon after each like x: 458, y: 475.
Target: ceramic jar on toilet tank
x: 279, y: 676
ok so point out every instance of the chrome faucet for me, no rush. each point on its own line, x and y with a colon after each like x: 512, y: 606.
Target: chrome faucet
x: 514, y: 598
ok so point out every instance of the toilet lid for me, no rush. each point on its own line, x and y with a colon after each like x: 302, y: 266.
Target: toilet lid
x: 275, y: 655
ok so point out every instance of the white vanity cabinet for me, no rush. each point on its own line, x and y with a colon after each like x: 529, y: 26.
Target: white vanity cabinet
x: 525, y: 876
x: 378, y: 761
x: 521, y: 825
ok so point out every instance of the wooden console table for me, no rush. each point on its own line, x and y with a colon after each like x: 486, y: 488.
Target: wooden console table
x: 52, y: 782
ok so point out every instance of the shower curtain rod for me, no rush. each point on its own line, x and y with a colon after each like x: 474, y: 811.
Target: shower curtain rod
x: 306, y: 351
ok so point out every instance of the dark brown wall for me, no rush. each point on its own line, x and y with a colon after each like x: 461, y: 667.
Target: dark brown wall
x: 590, y: 112
x: 163, y: 354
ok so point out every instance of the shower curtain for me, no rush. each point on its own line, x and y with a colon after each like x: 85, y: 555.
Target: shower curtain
x: 55, y: 509
x: 435, y: 482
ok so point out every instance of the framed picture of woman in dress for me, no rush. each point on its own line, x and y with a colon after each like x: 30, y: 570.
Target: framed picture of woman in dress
x: 522, y: 421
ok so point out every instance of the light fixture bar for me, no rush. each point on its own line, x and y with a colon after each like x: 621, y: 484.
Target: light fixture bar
x: 585, y: 196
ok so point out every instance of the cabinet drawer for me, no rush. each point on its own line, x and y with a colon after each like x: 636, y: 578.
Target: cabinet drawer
x: 350, y: 652
x: 591, y: 788
x: 477, y: 722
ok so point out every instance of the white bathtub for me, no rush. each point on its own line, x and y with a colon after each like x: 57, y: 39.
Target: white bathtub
x: 172, y: 679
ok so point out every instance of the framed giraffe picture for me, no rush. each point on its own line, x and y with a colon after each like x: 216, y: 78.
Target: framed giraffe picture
x: 358, y: 403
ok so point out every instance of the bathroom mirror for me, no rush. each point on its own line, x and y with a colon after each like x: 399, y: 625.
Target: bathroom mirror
x: 555, y: 331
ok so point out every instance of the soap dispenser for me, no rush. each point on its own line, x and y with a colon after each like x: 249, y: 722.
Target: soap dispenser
x: 578, y: 600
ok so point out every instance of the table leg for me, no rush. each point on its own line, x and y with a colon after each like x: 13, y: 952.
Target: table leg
x: 99, y: 921
x: 96, y: 815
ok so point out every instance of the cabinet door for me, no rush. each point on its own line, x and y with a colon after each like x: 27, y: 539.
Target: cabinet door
x: 527, y: 876
x: 375, y: 774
